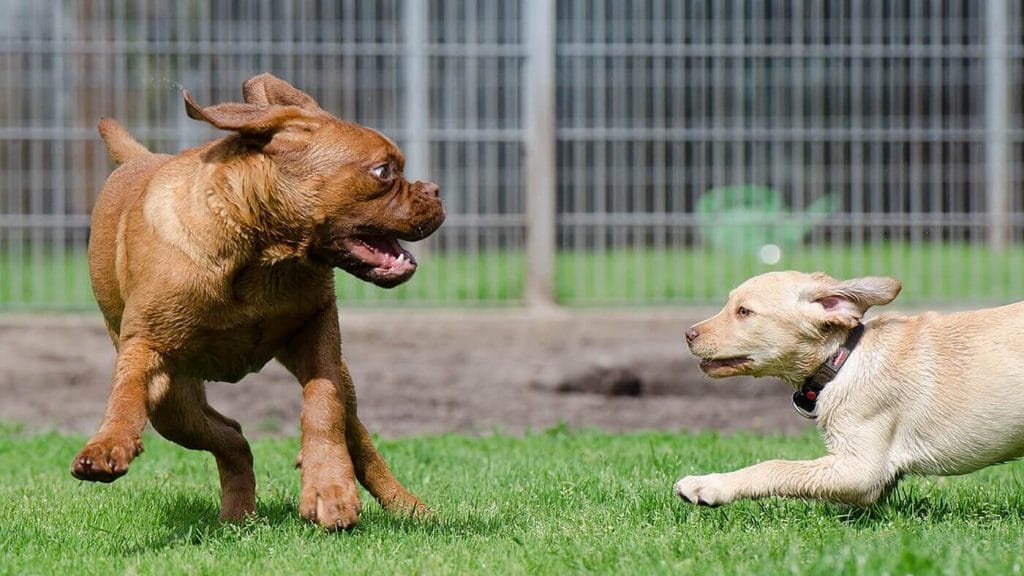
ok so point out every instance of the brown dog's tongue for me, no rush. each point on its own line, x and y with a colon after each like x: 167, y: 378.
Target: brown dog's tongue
x: 382, y: 244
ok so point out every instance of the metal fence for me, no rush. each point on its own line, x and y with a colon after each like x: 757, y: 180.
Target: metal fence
x: 590, y: 152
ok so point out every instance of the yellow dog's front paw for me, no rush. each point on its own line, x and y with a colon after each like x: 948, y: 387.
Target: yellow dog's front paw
x: 709, y: 490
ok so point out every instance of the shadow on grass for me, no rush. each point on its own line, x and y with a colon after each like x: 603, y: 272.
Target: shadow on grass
x: 909, y: 502
x: 191, y: 520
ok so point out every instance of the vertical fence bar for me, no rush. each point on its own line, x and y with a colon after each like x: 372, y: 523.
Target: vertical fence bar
x: 539, y: 100
x: 417, y: 90
x: 416, y: 96
x: 997, y: 118
x: 59, y: 189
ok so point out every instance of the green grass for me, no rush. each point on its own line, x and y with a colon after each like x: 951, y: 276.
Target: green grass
x: 937, y: 275
x: 558, y: 502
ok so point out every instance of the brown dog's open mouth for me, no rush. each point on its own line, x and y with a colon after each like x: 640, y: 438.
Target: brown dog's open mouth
x: 723, y: 366
x: 375, y: 258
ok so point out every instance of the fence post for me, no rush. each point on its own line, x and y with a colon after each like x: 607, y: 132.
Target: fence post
x: 997, y: 121
x: 417, y: 90
x: 541, y: 183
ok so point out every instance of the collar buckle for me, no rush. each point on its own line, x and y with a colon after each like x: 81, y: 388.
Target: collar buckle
x: 805, y: 406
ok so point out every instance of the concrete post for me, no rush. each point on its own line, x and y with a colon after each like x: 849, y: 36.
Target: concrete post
x: 997, y: 121
x: 541, y: 123
x: 417, y: 91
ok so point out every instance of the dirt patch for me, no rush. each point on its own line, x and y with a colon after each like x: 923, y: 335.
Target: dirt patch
x: 430, y: 372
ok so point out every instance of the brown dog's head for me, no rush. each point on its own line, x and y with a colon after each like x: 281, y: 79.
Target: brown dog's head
x: 782, y: 323
x: 340, y: 183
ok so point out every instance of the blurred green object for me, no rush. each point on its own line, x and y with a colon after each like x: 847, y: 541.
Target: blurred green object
x: 746, y: 218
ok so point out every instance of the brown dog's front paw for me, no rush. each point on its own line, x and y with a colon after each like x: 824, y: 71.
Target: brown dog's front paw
x: 408, y: 505
x: 237, y: 506
x: 105, y: 461
x: 333, y: 506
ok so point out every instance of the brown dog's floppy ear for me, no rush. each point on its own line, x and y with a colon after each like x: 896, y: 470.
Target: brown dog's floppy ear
x: 268, y: 90
x: 243, y: 118
x: 844, y: 302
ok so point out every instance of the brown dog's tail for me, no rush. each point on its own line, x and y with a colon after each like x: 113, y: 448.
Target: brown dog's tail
x: 120, y: 144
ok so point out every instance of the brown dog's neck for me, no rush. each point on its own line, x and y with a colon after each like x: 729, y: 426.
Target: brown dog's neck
x: 252, y: 197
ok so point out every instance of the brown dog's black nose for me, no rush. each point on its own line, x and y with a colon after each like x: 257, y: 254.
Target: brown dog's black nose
x: 691, y: 335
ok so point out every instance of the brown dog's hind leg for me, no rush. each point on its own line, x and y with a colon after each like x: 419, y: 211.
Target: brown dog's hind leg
x: 138, y: 372
x: 375, y: 475
x: 183, y: 416
x: 371, y: 469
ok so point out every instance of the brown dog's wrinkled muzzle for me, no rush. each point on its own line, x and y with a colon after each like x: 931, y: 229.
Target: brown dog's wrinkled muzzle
x: 374, y: 254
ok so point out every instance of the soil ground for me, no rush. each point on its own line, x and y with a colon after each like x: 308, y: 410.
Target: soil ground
x: 430, y: 372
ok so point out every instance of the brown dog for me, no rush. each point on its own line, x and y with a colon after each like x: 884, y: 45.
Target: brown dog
x: 209, y: 263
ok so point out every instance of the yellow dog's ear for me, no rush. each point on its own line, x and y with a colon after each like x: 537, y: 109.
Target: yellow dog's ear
x: 268, y: 90
x: 844, y: 302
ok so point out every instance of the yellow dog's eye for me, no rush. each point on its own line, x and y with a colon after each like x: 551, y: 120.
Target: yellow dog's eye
x: 383, y: 172
x: 744, y: 312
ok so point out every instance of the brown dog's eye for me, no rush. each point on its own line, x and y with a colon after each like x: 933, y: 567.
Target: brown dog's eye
x: 744, y: 312
x: 383, y: 172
